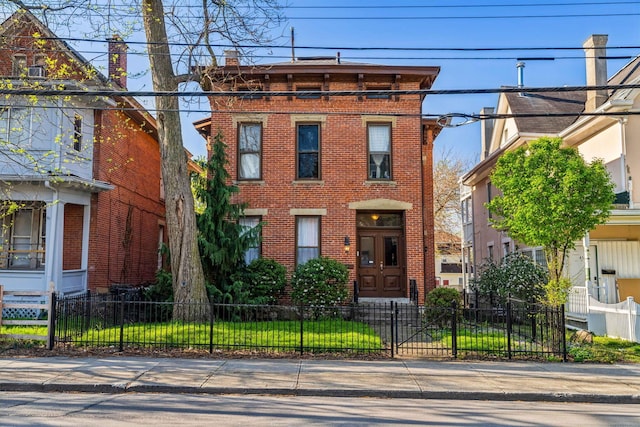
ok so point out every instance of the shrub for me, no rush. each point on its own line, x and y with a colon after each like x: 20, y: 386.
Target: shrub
x: 557, y: 292
x: 517, y: 275
x: 438, y: 304
x: 264, y: 279
x: 320, y: 282
x: 162, y: 289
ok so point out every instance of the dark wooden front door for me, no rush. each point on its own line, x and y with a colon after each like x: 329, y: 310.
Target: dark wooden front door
x: 381, y: 263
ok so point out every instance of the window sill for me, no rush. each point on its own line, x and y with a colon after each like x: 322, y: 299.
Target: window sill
x: 249, y: 182
x: 308, y: 182
x: 381, y: 182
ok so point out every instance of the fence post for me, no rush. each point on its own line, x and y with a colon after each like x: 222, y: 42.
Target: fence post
x: 356, y: 291
x: 563, y: 334
x: 509, y: 326
x: 1, y: 294
x: 393, y: 327
x: 211, y: 326
x: 632, y: 322
x: 51, y: 320
x: 301, y: 329
x: 454, y: 329
x: 122, y: 296
x: 87, y: 312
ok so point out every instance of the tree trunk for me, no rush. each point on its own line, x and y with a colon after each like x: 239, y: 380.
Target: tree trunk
x: 189, y: 291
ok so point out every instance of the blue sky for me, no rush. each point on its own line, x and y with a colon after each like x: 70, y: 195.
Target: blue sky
x: 462, y: 24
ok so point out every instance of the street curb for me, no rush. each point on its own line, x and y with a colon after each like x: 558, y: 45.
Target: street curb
x: 353, y: 393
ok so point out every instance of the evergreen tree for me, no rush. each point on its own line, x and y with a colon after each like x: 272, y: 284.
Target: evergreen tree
x: 222, y: 240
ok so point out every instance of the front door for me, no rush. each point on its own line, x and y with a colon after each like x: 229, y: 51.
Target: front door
x: 381, y: 263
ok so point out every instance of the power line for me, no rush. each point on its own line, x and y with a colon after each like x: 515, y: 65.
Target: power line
x: 342, y: 48
x: 453, y: 18
x: 308, y: 93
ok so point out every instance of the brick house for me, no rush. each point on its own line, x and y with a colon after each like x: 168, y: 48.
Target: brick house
x: 84, y: 172
x: 347, y: 176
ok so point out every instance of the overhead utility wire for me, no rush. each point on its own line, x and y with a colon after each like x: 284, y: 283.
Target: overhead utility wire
x: 357, y: 48
x: 318, y: 93
x: 441, y: 18
x: 457, y: 6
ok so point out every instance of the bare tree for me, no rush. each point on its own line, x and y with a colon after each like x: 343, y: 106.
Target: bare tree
x: 446, y: 191
x: 181, y: 38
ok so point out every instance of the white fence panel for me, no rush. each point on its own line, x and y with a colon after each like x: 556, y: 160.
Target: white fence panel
x: 619, y: 320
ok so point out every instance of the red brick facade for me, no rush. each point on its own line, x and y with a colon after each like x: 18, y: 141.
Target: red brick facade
x: 343, y: 188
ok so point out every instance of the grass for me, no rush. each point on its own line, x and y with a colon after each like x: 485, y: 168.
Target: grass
x: 318, y: 336
x: 604, y: 350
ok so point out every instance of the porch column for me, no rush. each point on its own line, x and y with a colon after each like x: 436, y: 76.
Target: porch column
x: 587, y: 261
x: 85, y: 243
x: 54, y: 245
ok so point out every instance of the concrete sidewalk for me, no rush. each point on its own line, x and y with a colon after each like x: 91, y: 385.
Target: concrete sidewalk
x: 418, y: 379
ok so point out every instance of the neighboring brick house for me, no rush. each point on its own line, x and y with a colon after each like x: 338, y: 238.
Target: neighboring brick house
x: 84, y: 171
x: 607, y: 131
x: 343, y: 176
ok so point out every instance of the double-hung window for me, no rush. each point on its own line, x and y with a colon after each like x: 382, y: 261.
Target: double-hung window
x: 379, y: 147
x: 249, y: 150
x: 308, y: 151
x: 77, y: 132
x: 307, y: 238
x: 24, y: 235
x: 249, y: 223
x: 15, y: 125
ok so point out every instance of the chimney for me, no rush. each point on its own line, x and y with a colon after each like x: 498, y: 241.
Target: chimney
x: 595, y: 49
x: 231, y: 58
x: 486, y: 132
x: 118, y: 61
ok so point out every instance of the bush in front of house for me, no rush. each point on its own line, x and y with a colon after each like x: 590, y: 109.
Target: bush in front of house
x: 438, y: 306
x: 517, y: 276
x: 264, y: 279
x: 320, y: 282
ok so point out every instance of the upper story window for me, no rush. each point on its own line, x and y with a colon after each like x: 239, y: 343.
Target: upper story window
x: 15, y: 125
x: 379, y: 147
x: 249, y: 150
x: 77, y: 132
x: 19, y: 65
x: 308, y: 151
x: 489, y: 197
x: 307, y: 238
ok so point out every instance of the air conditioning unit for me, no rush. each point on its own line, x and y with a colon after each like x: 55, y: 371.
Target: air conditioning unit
x: 36, y: 71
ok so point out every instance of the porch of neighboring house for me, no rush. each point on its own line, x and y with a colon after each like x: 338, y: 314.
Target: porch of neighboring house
x: 45, y: 238
x: 607, y: 303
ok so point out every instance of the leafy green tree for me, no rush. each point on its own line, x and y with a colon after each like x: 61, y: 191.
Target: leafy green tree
x: 222, y: 240
x: 550, y: 197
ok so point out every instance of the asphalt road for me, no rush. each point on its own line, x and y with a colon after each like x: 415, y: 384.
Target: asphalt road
x: 74, y: 409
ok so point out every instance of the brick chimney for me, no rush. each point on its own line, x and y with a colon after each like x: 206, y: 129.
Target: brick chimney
x: 595, y: 49
x: 118, y: 61
x: 231, y: 58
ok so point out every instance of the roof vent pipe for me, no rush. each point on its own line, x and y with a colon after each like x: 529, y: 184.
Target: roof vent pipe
x: 520, y: 67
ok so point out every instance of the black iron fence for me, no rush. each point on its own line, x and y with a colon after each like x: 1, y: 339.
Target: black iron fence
x: 124, y: 322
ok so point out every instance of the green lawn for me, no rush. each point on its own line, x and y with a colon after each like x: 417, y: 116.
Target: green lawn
x: 318, y: 336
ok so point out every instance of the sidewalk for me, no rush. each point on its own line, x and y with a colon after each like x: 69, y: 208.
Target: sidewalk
x: 418, y: 379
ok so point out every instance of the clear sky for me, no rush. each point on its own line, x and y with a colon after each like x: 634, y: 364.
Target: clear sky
x: 456, y: 24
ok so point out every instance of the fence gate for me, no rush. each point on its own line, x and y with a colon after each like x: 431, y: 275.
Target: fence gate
x: 28, y: 304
